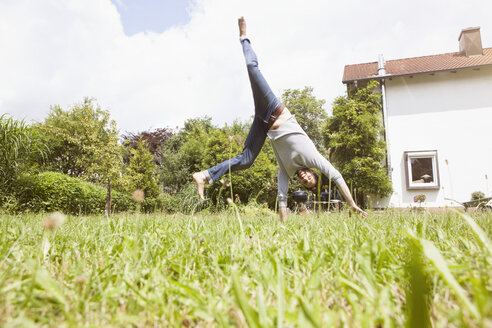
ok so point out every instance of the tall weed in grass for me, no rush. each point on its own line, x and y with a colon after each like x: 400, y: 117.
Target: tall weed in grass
x: 202, y: 270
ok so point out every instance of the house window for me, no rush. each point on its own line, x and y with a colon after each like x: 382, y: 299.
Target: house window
x: 421, y: 169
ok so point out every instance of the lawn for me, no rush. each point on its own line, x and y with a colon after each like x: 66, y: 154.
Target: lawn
x: 247, y: 269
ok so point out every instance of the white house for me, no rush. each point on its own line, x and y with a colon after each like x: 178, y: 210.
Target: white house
x: 437, y: 113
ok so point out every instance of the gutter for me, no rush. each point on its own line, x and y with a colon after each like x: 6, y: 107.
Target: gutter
x: 381, y: 75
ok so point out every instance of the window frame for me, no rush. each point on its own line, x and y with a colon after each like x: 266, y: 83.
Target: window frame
x: 435, y: 169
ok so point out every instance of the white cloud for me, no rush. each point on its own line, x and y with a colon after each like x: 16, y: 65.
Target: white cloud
x: 59, y: 51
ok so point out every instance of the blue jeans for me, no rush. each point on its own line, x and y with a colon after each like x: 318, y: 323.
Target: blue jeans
x: 265, y: 105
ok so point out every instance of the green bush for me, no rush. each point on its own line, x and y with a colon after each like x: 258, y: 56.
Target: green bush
x: 8, y: 204
x: 185, y: 201
x: 52, y: 191
x: 477, y: 195
x: 163, y: 203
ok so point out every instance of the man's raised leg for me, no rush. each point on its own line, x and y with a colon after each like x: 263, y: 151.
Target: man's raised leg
x: 241, y: 22
x: 265, y: 102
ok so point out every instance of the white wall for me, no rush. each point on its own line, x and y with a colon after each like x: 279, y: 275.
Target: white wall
x: 448, y: 112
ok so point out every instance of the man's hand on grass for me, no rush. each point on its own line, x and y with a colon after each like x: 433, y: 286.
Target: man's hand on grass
x: 357, y: 210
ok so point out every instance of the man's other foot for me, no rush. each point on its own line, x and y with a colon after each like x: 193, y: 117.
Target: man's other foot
x: 241, y: 22
x: 200, y: 181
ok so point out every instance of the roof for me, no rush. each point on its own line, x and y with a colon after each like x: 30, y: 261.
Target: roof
x: 417, y: 65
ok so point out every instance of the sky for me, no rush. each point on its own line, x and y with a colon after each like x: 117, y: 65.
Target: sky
x: 155, y: 64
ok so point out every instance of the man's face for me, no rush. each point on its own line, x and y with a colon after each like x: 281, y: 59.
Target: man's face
x: 306, y: 178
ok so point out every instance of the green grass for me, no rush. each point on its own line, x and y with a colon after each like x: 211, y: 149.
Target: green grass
x: 205, y: 270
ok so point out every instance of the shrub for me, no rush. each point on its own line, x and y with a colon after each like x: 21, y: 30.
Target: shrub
x: 419, y: 198
x: 141, y: 171
x: 18, y: 144
x: 52, y: 191
x: 477, y: 195
x: 8, y: 204
x: 164, y: 203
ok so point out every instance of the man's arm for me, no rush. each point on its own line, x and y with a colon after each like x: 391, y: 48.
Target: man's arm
x: 331, y: 172
x: 283, y: 188
x: 344, y: 190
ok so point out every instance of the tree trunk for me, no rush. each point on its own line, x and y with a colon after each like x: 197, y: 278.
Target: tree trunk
x: 108, y: 200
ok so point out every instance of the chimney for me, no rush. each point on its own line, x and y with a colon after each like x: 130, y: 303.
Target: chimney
x: 470, y: 42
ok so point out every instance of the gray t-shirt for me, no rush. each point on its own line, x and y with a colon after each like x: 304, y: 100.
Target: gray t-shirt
x: 295, y: 150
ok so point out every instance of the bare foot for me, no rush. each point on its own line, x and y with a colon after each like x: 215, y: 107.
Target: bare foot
x: 242, y: 26
x: 200, y: 181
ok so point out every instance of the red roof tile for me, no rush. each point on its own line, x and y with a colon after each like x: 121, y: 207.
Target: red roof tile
x: 417, y: 65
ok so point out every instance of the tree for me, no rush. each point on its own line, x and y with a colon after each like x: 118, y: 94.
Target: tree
x: 83, y: 143
x: 141, y: 171
x: 18, y: 143
x: 182, y: 154
x: 200, y: 145
x: 354, y: 136
x: 309, y: 112
x: 154, y: 141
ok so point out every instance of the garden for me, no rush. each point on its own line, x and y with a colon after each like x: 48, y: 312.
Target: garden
x: 98, y: 229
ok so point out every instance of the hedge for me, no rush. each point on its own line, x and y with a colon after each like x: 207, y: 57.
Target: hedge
x: 53, y: 191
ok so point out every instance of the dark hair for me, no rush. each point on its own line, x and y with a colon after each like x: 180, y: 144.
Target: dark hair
x: 316, y: 176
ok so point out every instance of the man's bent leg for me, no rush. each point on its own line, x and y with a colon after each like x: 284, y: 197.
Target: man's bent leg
x: 252, y: 147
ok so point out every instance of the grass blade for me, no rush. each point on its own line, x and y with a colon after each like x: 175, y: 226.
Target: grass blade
x: 188, y: 291
x: 308, y: 313
x: 434, y: 256
x: 250, y: 314
x: 417, y: 295
x: 45, y: 282
x: 479, y: 233
x: 280, y: 293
